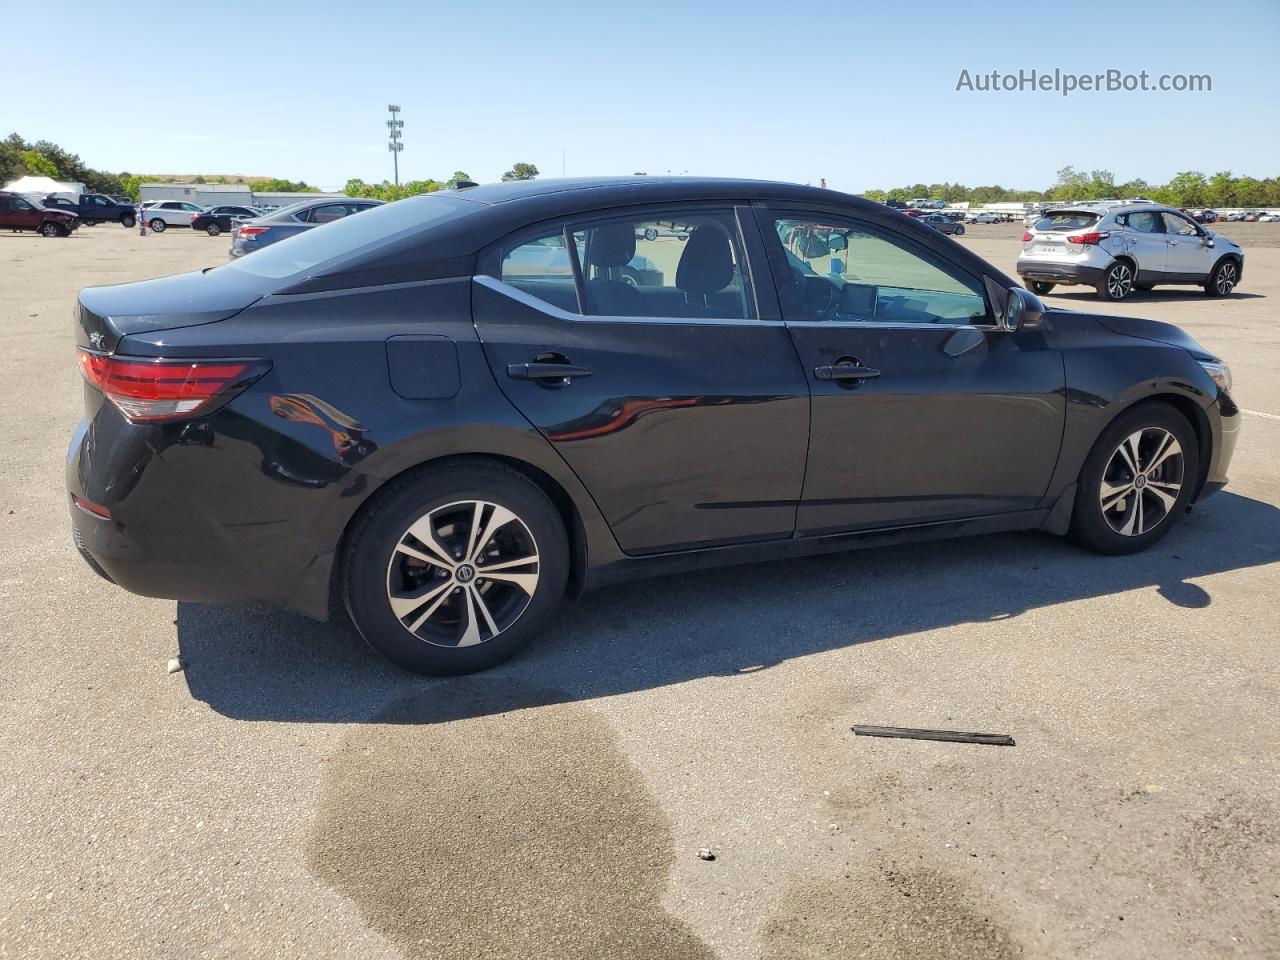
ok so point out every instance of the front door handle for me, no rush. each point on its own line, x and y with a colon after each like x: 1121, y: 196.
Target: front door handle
x: 845, y: 371
x: 546, y: 371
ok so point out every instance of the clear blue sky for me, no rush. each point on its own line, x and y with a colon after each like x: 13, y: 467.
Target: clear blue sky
x: 860, y: 93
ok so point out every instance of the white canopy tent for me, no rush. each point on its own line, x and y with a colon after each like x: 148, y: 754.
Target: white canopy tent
x: 43, y: 186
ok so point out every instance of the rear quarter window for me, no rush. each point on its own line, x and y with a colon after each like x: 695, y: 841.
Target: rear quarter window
x: 1067, y: 221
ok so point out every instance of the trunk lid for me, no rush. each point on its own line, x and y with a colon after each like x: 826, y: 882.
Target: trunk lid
x: 104, y: 315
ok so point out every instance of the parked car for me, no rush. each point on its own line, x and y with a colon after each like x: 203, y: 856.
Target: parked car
x: 982, y: 218
x: 162, y: 215
x: 1207, y: 216
x: 1269, y: 218
x: 251, y: 235
x: 218, y: 220
x: 895, y: 204
x: 1128, y: 247
x: 1251, y: 217
x: 943, y: 224
x: 95, y: 208
x: 24, y: 213
x: 379, y: 414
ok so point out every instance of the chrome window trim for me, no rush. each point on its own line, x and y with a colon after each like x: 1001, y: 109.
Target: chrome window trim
x: 550, y: 309
x: 899, y: 325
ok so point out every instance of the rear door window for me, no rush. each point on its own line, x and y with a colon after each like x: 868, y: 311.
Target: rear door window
x: 1144, y: 221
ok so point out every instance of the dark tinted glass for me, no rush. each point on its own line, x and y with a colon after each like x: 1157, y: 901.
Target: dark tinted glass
x: 1067, y: 221
x: 380, y: 224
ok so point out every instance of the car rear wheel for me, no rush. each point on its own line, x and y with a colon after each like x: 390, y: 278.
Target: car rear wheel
x: 455, y: 570
x: 1223, y: 279
x: 1040, y: 287
x: 213, y: 229
x: 50, y: 229
x: 1117, y: 282
x: 157, y: 226
x: 128, y: 221
x: 1137, y: 480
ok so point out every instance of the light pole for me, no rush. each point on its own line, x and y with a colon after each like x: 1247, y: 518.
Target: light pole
x: 394, y: 126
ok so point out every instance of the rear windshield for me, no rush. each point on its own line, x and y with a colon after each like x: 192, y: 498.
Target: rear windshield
x: 1070, y: 220
x: 302, y: 253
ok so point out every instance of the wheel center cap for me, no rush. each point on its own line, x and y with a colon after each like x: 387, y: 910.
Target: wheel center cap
x: 1140, y: 482
x: 465, y: 573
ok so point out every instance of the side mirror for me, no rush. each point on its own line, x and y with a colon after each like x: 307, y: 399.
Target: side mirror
x: 1208, y: 241
x: 1022, y: 311
x: 838, y: 242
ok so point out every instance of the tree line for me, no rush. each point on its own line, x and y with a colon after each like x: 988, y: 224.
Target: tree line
x: 46, y: 159
x: 1190, y: 188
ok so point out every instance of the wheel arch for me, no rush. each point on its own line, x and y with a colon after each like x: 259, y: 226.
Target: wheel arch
x: 1194, y: 414
x: 566, y: 505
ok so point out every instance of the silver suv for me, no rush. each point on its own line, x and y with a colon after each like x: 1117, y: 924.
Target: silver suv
x: 1119, y: 248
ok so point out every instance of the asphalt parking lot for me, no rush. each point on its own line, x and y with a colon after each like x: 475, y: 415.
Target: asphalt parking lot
x: 291, y: 795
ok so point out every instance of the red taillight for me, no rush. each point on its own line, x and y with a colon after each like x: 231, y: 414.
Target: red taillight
x: 1026, y: 236
x: 148, y: 391
x: 97, y: 509
x: 250, y: 232
x: 1088, y: 239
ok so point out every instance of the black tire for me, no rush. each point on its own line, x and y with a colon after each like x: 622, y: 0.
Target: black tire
x: 1222, y: 279
x: 1117, y: 282
x: 157, y: 226
x: 91, y: 223
x: 51, y: 229
x: 128, y: 221
x: 1090, y: 525
x: 959, y: 231
x: 1040, y: 287
x: 213, y: 229
x: 371, y: 561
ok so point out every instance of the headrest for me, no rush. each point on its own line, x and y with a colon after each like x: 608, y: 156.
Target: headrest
x: 706, y: 265
x: 612, y: 245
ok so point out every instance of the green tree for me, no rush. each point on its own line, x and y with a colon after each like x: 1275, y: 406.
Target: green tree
x: 282, y: 186
x: 457, y: 176
x: 37, y: 164
x: 520, y: 171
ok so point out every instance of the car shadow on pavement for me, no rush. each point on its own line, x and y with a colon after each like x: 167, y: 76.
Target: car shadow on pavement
x: 255, y: 663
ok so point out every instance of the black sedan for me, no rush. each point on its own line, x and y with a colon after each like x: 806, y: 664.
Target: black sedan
x: 453, y: 412
x: 218, y: 220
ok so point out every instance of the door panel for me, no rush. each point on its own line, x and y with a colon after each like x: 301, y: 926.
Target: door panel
x: 1187, y: 253
x: 1145, y: 242
x: 685, y: 432
x: 919, y: 412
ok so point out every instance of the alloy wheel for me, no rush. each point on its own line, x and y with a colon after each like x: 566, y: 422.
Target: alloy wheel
x: 463, y: 573
x: 1226, y: 280
x: 1119, y: 281
x: 1142, y: 481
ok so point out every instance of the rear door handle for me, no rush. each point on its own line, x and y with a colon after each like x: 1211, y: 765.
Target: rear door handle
x: 844, y: 371
x: 546, y: 371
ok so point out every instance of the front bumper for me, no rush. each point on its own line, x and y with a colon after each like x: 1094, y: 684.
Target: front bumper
x: 1224, y: 447
x: 1050, y: 271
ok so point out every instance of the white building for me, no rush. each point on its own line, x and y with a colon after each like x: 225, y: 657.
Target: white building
x: 201, y: 194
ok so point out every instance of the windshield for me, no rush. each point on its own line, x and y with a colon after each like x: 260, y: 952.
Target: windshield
x: 305, y: 251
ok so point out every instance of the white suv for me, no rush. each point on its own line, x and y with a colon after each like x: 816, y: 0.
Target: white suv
x: 1124, y: 247
x: 170, y: 213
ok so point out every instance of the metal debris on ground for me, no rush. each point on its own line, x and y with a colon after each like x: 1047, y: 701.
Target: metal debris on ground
x: 706, y: 853
x: 908, y: 733
x: 176, y: 665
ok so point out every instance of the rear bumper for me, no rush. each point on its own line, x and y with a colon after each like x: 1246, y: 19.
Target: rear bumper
x: 1048, y: 271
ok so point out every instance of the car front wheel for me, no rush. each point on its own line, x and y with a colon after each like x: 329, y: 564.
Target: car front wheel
x: 455, y: 570
x: 1137, y: 480
x: 1117, y: 282
x: 50, y: 229
x: 1223, y: 279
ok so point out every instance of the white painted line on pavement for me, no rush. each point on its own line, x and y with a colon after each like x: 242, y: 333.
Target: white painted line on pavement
x: 1258, y: 413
